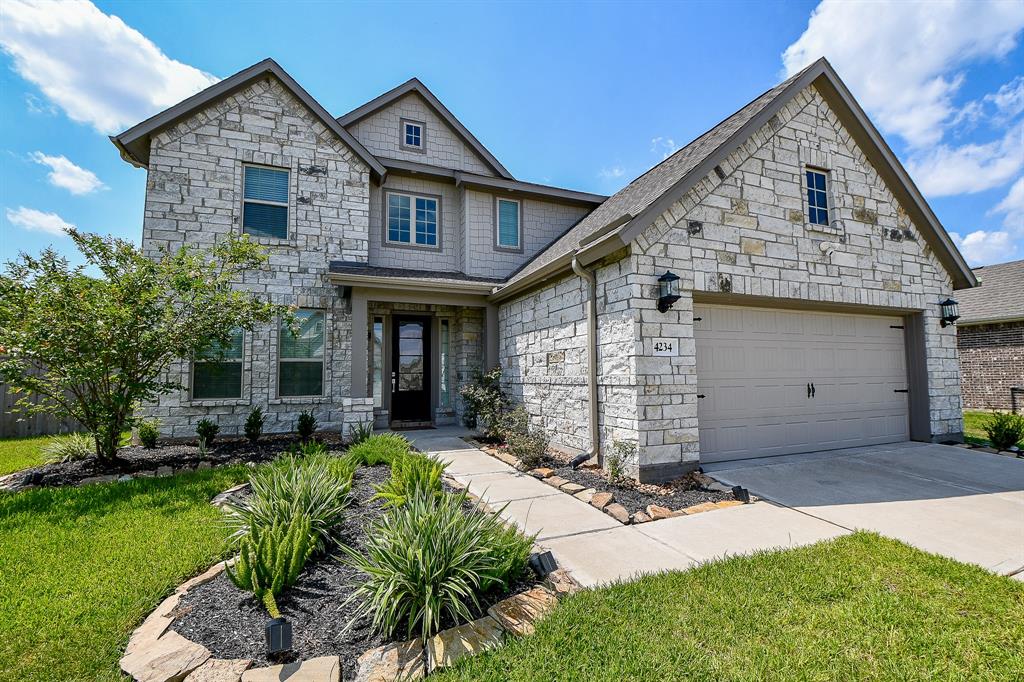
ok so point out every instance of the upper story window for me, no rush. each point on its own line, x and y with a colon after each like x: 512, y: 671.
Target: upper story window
x: 412, y: 135
x: 412, y: 219
x: 265, y: 202
x: 508, y: 233
x: 217, y: 371
x: 817, y: 197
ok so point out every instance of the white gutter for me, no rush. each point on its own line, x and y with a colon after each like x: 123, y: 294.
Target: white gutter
x: 595, y: 430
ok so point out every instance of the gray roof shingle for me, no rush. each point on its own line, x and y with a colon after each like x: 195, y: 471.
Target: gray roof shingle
x: 998, y: 296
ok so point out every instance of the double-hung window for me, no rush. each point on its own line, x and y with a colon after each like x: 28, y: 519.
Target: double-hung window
x: 412, y: 134
x: 265, y: 202
x: 817, y: 197
x: 217, y: 371
x: 412, y: 219
x: 301, y: 356
x: 507, y: 224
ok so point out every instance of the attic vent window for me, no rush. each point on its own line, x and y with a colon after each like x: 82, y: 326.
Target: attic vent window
x: 412, y: 135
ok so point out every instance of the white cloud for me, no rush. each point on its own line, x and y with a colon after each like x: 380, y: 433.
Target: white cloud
x: 904, y: 60
x: 93, y: 66
x: 38, y: 106
x: 38, y: 221
x: 983, y: 247
x: 612, y: 173
x: 1012, y: 206
x: 1009, y: 99
x: 63, y: 173
x: 945, y: 170
x: 666, y: 146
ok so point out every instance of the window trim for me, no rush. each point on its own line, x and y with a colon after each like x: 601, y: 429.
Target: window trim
x: 241, y: 379
x: 287, y: 204
x: 828, y: 197
x: 323, y: 361
x: 422, y: 148
x: 385, y: 237
x: 498, y: 246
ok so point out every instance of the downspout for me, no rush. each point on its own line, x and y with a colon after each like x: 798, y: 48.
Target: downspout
x: 595, y: 429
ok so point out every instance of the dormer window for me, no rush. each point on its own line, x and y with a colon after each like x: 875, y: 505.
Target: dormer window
x: 265, y: 202
x: 412, y: 135
x: 817, y: 196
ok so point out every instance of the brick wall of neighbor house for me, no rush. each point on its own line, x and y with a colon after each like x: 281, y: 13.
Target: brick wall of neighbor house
x: 991, y: 362
x: 193, y: 196
x: 446, y: 258
x: 379, y: 133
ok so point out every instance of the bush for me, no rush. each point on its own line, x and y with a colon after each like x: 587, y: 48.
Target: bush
x: 620, y: 460
x: 427, y: 560
x: 270, y: 559
x: 254, y: 424
x: 379, y: 449
x: 70, y: 448
x: 148, y: 433
x: 485, y: 401
x: 314, y: 485
x: 306, y: 425
x: 207, y: 430
x: 1005, y: 429
x: 357, y: 433
x: 531, y: 448
x: 512, y: 423
x: 411, y: 474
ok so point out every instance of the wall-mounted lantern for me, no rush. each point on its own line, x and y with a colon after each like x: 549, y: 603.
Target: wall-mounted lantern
x: 668, y: 290
x: 950, y: 312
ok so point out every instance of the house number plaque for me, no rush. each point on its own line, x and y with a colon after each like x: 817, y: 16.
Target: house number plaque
x: 666, y: 347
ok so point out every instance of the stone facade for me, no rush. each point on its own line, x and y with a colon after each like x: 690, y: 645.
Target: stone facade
x: 992, y: 362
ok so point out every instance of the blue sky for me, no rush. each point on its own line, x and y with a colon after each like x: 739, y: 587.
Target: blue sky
x: 580, y: 95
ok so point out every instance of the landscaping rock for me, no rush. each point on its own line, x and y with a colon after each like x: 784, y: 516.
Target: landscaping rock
x: 507, y: 458
x: 700, y: 508
x: 585, y: 495
x: 617, y: 512
x: 560, y: 582
x: 97, y: 479
x: 985, y: 449
x: 402, y: 661
x: 171, y: 657
x: 323, y: 669
x: 657, y: 512
x: 220, y: 670
x: 164, y: 471
x: 517, y: 613
x: 124, y: 479
x: 448, y: 646
x: 728, y: 503
x: 572, y: 488
x: 601, y: 500
x: 229, y: 494
x: 556, y: 481
x: 146, y: 635
x: 641, y: 517
x: 542, y: 472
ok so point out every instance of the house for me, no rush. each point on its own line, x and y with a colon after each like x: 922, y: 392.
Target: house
x: 990, y: 336
x: 800, y: 266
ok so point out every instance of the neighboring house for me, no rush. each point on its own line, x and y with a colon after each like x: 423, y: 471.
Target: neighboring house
x: 990, y: 336
x: 809, y: 266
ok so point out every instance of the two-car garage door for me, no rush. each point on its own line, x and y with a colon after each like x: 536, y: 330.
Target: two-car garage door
x: 778, y: 382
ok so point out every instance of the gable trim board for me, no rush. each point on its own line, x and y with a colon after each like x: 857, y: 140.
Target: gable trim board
x: 621, y: 231
x: 134, y: 142
x: 413, y: 85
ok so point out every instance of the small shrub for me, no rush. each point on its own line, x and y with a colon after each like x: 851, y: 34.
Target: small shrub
x: 427, y: 561
x: 531, y: 448
x: 70, y: 448
x: 485, y: 402
x: 207, y: 430
x: 514, y: 422
x: 357, y: 433
x: 270, y: 559
x: 379, y: 449
x: 254, y: 424
x: 148, y: 433
x: 306, y: 425
x: 1005, y: 429
x: 314, y: 485
x: 620, y: 460
x: 411, y: 474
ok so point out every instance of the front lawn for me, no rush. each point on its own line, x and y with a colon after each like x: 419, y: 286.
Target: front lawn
x: 974, y: 427
x: 80, y: 567
x: 22, y: 453
x: 857, y: 608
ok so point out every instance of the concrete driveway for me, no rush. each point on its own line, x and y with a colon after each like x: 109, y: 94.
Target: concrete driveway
x: 963, y: 504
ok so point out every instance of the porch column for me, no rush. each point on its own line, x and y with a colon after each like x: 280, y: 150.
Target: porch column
x: 491, y: 337
x: 360, y: 331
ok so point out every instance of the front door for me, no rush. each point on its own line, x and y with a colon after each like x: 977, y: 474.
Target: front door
x: 410, y: 369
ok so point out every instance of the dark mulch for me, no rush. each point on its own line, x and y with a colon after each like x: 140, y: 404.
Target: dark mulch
x: 230, y: 622
x: 134, y: 459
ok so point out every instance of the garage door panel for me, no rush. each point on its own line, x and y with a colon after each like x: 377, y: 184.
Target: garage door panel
x: 754, y: 366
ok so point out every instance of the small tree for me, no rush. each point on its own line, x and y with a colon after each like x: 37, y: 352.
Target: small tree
x: 94, y: 348
x: 485, y: 402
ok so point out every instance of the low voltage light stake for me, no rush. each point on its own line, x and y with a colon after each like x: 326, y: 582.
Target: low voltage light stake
x: 279, y: 636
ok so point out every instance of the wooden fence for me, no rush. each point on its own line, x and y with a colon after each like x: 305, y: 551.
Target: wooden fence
x: 18, y: 424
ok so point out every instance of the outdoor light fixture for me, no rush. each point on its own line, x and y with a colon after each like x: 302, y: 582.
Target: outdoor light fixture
x: 543, y: 563
x: 950, y: 312
x: 741, y: 494
x: 279, y: 636
x: 668, y: 290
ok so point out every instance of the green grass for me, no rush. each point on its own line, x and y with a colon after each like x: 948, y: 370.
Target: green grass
x: 857, y: 608
x: 22, y: 453
x: 974, y: 427
x: 80, y: 567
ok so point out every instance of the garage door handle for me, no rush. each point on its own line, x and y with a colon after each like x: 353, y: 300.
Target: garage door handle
x: 813, y: 390
x: 901, y: 390
x: 701, y: 395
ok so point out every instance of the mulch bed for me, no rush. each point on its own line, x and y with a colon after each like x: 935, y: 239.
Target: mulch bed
x: 136, y: 459
x: 230, y: 622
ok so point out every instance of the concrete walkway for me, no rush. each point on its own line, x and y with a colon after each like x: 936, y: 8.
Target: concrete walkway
x: 595, y: 547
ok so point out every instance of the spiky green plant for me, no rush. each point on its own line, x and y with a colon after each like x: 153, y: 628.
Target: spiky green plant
x: 410, y: 473
x: 428, y: 560
x: 306, y: 425
x: 1004, y: 429
x: 357, y: 433
x: 379, y: 449
x: 254, y: 424
x: 69, y: 448
x: 270, y: 559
